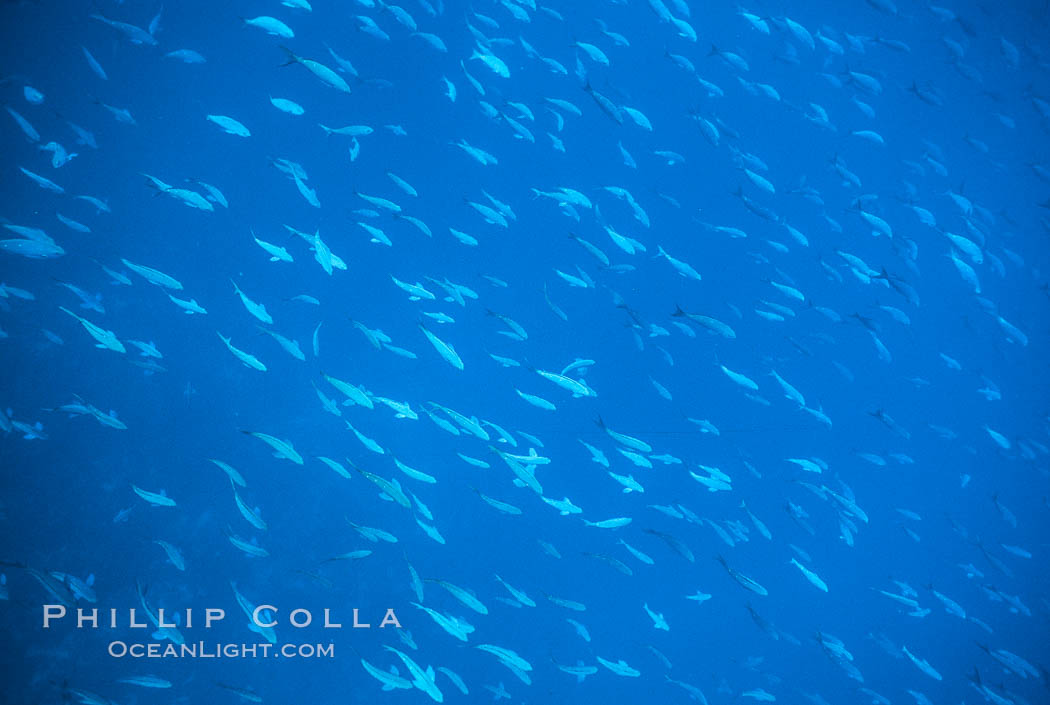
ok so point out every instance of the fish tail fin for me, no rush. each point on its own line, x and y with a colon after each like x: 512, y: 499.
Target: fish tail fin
x: 292, y: 58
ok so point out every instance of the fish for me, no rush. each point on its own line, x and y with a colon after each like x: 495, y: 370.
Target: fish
x: 445, y: 350
x: 743, y: 380
x: 42, y: 181
x: 256, y: 309
x: 614, y: 523
x: 271, y: 26
x: 288, y: 106
x: 390, y: 489
x: 190, y: 307
x: 421, y: 679
x: 229, y: 125
x: 32, y: 248
x: 281, y: 448
x: 922, y: 664
x: 365, y: 440
x: 743, y: 580
x: 246, y: 358
x: 277, y: 254
x: 187, y: 56
x: 619, y: 667
x: 154, y: 276
x: 133, y: 33
x: 147, y: 681
x: 154, y: 498
x: 810, y: 576
x: 27, y: 128
x: 235, y: 477
x: 174, y: 556
x: 464, y: 596
x: 622, y: 438
x: 322, y: 72
x: 106, y: 339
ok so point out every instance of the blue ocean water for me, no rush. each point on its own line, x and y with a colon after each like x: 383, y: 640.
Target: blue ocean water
x: 867, y: 386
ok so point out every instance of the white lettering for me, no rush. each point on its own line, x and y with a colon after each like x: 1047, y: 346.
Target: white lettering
x: 82, y: 617
x: 262, y: 608
x: 390, y: 618
x: 211, y: 615
x: 359, y: 625
x: 53, y: 612
x: 328, y: 624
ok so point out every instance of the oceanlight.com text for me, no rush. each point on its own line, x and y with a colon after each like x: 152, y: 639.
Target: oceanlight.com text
x: 219, y: 650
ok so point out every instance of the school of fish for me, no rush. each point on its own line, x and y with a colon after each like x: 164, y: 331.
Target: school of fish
x: 712, y: 338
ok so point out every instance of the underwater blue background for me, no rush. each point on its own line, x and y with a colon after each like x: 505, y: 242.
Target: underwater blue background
x: 61, y: 494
